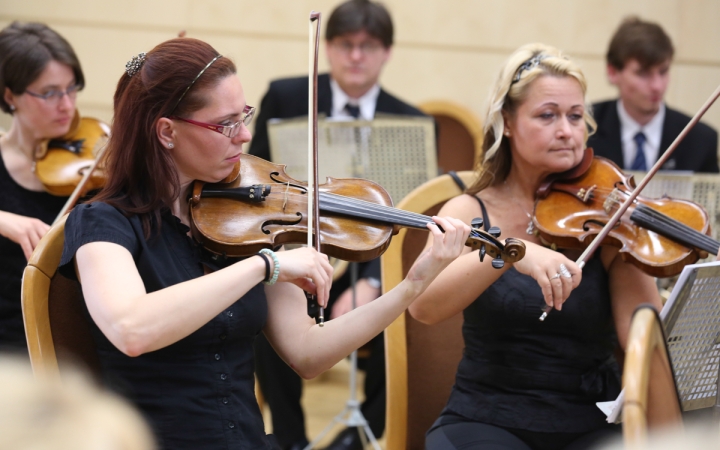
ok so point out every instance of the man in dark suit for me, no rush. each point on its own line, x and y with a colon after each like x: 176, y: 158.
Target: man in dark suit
x: 635, y: 129
x: 359, y: 37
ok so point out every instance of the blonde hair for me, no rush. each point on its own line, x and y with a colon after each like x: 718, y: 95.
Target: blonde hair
x: 71, y: 414
x: 524, y: 66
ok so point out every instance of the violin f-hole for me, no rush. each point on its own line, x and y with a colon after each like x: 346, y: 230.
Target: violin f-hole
x: 274, y: 176
x: 280, y: 222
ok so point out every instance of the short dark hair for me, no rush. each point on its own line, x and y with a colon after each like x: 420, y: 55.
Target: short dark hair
x: 644, y: 41
x: 25, y: 51
x: 361, y: 15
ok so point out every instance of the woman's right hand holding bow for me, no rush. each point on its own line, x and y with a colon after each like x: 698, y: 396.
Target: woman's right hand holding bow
x: 556, y: 275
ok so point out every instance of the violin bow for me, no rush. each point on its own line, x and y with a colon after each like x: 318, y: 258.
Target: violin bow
x: 313, y: 217
x: 631, y: 198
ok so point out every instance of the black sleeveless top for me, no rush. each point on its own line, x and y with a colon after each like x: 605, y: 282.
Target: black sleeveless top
x: 40, y: 205
x: 518, y: 372
x: 200, y: 391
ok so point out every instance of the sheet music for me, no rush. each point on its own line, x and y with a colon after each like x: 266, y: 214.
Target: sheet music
x: 397, y: 152
x: 695, y: 358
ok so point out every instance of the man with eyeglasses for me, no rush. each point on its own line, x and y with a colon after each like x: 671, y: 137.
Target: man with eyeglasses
x: 359, y: 38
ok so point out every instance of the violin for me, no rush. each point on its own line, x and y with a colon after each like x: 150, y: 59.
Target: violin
x: 660, y: 236
x: 64, y: 161
x: 263, y: 207
x: 631, y: 197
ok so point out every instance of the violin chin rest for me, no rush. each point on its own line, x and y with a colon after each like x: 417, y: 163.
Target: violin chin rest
x: 233, y: 175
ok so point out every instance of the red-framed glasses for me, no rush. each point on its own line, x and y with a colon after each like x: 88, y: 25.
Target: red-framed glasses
x: 226, y: 130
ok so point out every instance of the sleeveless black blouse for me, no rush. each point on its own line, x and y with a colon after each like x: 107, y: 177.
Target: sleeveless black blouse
x: 518, y: 372
x: 40, y: 205
x: 200, y: 391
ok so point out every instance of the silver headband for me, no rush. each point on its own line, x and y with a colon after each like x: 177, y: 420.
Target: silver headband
x: 193, y: 82
x: 135, y: 64
x: 528, y: 65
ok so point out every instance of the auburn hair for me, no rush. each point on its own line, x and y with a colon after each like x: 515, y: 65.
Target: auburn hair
x: 141, y: 175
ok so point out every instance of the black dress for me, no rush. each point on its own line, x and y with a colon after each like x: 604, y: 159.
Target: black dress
x: 40, y: 205
x: 519, y: 373
x: 199, y: 391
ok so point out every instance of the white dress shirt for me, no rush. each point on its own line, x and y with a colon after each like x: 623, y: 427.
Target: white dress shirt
x: 652, y: 131
x: 367, y: 102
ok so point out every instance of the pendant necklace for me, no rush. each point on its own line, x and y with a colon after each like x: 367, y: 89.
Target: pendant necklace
x: 530, y: 226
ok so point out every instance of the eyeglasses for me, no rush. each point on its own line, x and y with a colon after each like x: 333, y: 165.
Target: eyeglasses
x: 366, y: 47
x: 53, y: 97
x: 226, y: 130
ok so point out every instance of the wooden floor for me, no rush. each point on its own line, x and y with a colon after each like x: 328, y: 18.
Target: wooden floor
x: 323, y: 399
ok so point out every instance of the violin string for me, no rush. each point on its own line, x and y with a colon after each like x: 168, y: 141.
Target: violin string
x: 685, y: 235
x: 286, y: 193
x: 692, y: 236
x: 674, y: 227
x: 372, y: 211
x: 381, y: 212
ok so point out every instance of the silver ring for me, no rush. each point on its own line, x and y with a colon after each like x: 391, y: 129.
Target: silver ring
x: 564, y: 271
x: 557, y: 275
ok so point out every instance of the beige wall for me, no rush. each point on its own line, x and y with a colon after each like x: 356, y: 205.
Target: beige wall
x: 445, y: 49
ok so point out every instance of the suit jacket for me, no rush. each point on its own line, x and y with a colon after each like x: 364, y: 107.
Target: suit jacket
x: 697, y: 152
x: 287, y: 98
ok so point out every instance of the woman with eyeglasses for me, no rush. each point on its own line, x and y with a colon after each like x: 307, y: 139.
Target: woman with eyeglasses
x: 174, y: 326
x: 523, y: 383
x: 40, y: 76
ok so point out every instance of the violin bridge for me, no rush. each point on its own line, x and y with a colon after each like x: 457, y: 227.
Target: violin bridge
x: 586, y: 194
x: 613, y: 199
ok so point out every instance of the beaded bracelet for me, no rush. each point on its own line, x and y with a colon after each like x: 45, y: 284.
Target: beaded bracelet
x: 276, y: 262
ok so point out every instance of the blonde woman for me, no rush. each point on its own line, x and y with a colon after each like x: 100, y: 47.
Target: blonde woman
x: 522, y: 383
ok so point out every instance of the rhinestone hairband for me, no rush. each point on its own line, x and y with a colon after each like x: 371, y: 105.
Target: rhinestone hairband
x: 528, y: 65
x: 135, y: 64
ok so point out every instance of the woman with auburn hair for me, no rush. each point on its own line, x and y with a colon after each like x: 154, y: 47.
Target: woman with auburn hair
x: 522, y: 383
x: 174, y: 325
x: 40, y: 77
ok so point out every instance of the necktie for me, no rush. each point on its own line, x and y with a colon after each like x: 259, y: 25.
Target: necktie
x: 353, y: 110
x: 639, y: 163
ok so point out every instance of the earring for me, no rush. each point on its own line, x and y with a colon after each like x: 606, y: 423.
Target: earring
x: 507, y: 133
x: 171, y: 145
x: 12, y: 107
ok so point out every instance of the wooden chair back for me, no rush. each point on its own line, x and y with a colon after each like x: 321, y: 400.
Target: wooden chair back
x: 421, y: 360
x: 459, y: 135
x: 56, y: 327
x: 651, y: 398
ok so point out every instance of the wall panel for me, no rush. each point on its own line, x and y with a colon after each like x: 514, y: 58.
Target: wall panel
x: 445, y: 49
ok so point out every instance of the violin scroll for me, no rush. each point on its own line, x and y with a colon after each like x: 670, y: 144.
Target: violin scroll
x: 487, y: 243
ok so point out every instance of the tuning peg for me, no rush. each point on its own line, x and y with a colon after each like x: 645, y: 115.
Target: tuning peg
x: 477, y: 223
x: 494, y: 232
x: 482, y: 252
x: 498, y: 263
